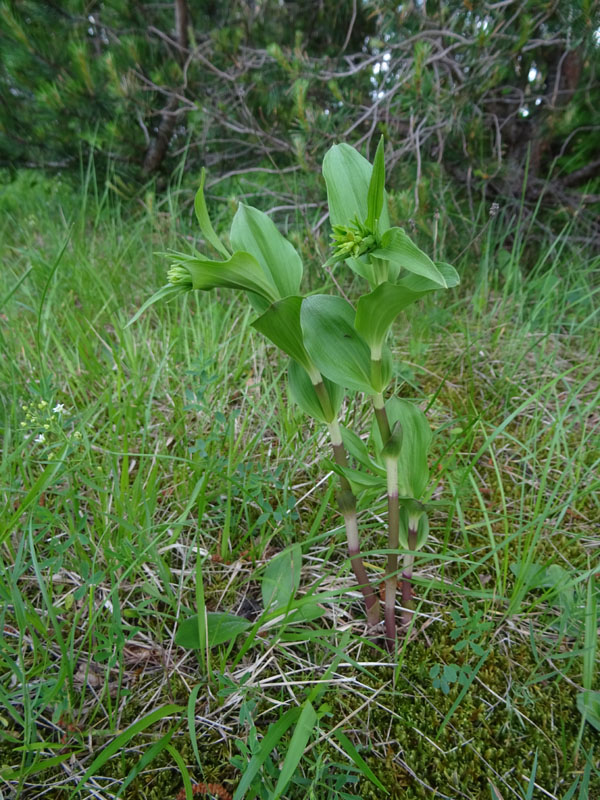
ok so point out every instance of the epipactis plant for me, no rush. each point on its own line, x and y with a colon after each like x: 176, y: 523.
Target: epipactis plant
x: 335, y: 348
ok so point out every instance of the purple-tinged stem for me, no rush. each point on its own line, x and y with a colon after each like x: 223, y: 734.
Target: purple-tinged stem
x: 409, y: 560
x: 391, y: 464
x: 347, y: 506
x: 381, y: 416
x: 391, y: 579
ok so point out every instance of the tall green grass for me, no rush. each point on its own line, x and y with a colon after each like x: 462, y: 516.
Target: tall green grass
x: 177, y: 471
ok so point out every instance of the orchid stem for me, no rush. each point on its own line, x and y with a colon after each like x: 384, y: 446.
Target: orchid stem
x: 391, y: 580
x: 407, y: 594
x: 381, y: 416
x: 391, y: 465
x: 347, y: 506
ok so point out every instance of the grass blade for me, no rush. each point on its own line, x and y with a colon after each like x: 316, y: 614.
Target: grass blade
x: 39, y: 486
x: 590, y: 642
x: 275, y: 732
x: 146, y: 759
x: 300, y: 737
x: 353, y: 753
x: 123, y: 738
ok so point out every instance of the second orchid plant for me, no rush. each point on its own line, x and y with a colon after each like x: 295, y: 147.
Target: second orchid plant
x: 336, y: 348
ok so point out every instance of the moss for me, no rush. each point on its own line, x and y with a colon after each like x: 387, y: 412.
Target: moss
x: 495, y: 731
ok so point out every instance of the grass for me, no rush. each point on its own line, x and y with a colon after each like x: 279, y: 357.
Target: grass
x: 177, y: 471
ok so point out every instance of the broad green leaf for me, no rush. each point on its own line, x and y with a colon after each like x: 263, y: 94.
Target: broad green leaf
x: 413, y: 471
x: 258, y: 303
x: 588, y: 703
x: 376, y: 311
x: 359, y: 479
x: 204, y: 219
x: 241, y: 271
x: 375, y: 197
x: 397, y: 246
x: 281, y: 578
x: 281, y: 324
x: 360, y: 266
x: 363, y: 268
x: 302, y: 732
x: 304, y: 395
x: 333, y: 344
x: 530, y: 575
x: 421, y: 285
x: 300, y: 611
x: 536, y: 576
x: 422, y: 530
x: 220, y: 628
x: 393, y: 447
x: 271, y: 739
x: 308, y: 612
x: 256, y: 233
x: 451, y: 276
x: 358, y: 450
x: 348, y: 176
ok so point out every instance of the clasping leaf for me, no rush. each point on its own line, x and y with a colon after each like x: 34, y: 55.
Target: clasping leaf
x: 239, y: 271
x: 281, y: 324
x: 376, y: 311
x: 254, y: 232
x: 376, y: 193
x: 303, y: 393
x: 204, y: 219
x: 413, y: 471
x: 398, y: 247
x: 334, y: 345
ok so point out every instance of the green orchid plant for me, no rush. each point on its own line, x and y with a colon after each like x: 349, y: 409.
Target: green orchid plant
x: 335, y: 348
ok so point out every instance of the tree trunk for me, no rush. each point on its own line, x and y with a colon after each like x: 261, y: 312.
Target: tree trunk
x: 158, y: 147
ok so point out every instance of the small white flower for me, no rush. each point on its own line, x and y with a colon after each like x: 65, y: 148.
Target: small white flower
x: 59, y: 409
x: 40, y: 439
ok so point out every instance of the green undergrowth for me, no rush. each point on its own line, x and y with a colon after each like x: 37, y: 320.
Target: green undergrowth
x: 172, y: 470
x: 515, y: 717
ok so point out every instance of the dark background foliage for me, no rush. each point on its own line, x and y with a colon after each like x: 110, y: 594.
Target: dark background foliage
x: 495, y: 97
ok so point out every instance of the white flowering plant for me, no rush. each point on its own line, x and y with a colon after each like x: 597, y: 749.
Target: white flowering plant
x: 336, y: 348
x: 44, y: 425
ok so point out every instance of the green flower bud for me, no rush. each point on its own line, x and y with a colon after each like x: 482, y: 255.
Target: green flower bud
x: 351, y: 241
x: 178, y: 275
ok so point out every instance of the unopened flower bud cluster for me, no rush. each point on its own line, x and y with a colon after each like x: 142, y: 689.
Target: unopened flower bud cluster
x: 352, y: 241
x: 178, y: 275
